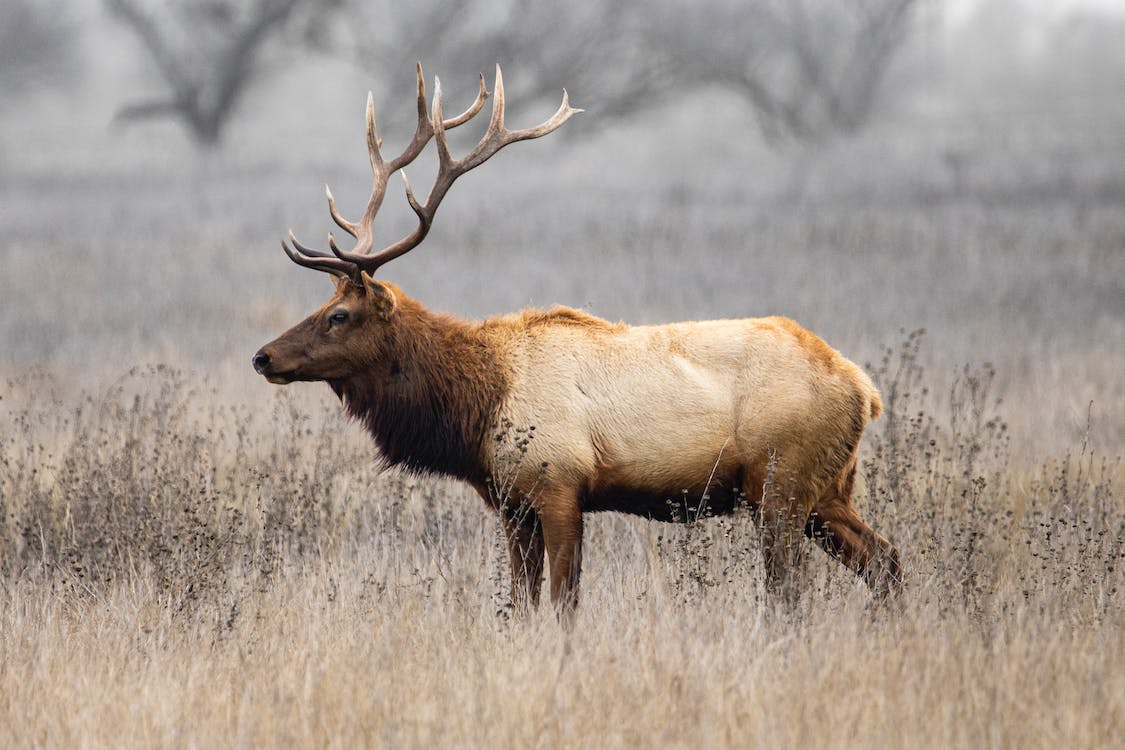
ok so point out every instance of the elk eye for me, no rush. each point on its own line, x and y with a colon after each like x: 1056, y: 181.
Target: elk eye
x: 338, y: 317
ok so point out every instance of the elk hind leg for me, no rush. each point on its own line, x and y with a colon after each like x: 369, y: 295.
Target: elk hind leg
x: 837, y: 527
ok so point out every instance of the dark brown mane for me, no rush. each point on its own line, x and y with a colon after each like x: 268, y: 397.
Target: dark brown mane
x: 430, y: 403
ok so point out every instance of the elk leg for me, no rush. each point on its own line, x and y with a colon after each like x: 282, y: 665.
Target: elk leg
x: 781, y: 515
x: 561, y: 520
x: 837, y: 527
x: 780, y: 524
x: 525, y: 553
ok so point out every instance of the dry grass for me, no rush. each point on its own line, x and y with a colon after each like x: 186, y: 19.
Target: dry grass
x: 177, y: 572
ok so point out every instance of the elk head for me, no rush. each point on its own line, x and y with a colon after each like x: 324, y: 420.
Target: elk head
x: 348, y: 333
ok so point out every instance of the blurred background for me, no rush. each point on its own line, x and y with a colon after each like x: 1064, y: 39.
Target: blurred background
x: 867, y: 167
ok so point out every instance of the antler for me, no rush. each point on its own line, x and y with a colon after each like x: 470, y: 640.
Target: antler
x: 360, y: 258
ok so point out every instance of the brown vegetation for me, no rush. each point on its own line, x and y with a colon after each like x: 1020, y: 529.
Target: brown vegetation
x: 184, y: 572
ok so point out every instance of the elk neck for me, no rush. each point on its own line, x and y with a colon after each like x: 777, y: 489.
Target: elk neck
x: 433, y: 396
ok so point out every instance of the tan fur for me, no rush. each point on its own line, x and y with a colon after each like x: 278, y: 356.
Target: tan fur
x: 656, y: 410
x: 685, y: 389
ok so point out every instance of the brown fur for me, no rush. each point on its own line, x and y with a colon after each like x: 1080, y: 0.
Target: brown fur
x: 613, y: 417
x: 427, y: 386
x: 559, y: 315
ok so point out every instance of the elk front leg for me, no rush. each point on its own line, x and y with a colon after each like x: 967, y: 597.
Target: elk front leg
x: 782, y: 547
x: 525, y: 552
x: 561, y: 520
x: 781, y: 517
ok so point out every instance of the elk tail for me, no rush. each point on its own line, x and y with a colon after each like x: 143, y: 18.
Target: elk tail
x: 871, y: 395
x: 875, y: 404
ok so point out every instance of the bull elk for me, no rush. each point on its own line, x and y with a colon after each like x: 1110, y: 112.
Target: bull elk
x: 648, y: 420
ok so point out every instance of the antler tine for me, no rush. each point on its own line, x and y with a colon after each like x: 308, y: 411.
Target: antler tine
x: 379, y: 174
x: 562, y: 114
x: 445, y: 159
x: 423, y: 114
x: 374, y: 142
x: 307, y: 251
x: 333, y: 266
x: 496, y: 123
x: 471, y: 112
x: 341, y: 222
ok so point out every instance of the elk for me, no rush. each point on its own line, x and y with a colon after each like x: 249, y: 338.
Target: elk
x: 649, y: 420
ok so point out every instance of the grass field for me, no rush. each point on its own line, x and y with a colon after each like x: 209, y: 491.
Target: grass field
x: 192, y: 557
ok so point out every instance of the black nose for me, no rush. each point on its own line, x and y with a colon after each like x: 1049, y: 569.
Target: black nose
x: 261, y: 361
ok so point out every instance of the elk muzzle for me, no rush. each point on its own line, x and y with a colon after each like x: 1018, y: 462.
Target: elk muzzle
x: 265, y: 365
x: 261, y: 361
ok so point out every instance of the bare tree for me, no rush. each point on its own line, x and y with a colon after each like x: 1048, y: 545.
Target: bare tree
x: 543, y: 46
x: 35, y: 43
x: 806, y: 68
x: 206, y: 52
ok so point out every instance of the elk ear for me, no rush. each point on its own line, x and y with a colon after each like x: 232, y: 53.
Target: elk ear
x: 340, y: 282
x: 379, y: 295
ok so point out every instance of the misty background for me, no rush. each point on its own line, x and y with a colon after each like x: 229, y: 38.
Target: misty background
x: 868, y: 168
